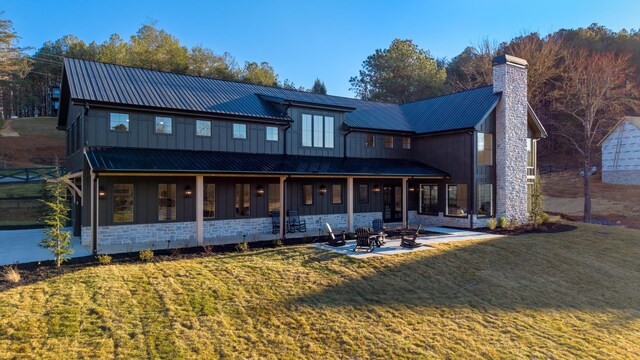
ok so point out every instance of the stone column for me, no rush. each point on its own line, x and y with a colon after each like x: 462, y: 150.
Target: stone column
x: 282, y: 206
x: 510, y: 79
x: 350, y: 204
x: 405, y: 220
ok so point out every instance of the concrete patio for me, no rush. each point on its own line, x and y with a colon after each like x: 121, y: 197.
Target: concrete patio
x: 21, y: 246
x: 392, y: 247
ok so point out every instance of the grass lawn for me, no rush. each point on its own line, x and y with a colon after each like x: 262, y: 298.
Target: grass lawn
x: 37, y: 126
x: 565, y: 295
x: 33, y: 189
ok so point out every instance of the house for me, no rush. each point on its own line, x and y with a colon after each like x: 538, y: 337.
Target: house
x: 621, y: 153
x: 156, y: 156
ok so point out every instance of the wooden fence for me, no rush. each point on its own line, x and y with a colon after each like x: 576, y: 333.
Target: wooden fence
x: 26, y: 175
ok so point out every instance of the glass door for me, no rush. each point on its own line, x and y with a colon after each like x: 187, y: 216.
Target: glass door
x: 392, y: 203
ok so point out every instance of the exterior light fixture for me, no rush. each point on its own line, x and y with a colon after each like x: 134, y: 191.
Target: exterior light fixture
x: 259, y: 190
x: 376, y: 188
x: 412, y: 188
x: 323, y: 190
x: 187, y: 191
x: 102, y: 193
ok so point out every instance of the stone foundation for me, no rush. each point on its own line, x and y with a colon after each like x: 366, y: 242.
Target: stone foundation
x: 248, y: 227
x: 441, y: 220
x: 140, y: 233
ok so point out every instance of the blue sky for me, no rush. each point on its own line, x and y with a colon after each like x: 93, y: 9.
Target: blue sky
x: 303, y: 40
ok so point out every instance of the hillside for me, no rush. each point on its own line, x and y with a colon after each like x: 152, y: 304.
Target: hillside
x: 24, y: 140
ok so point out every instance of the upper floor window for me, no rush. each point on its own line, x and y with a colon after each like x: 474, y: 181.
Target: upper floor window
x: 122, y: 203
x: 203, y: 128
x: 388, y: 142
x: 406, y: 143
x: 119, y: 122
x: 163, y: 125
x: 317, y: 131
x: 272, y: 133
x: 485, y: 148
x: 167, y: 202
x: 370, y: 141
x: 239, y: 131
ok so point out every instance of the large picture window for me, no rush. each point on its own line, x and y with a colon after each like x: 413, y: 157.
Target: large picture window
x: 122, y: 203
x: 243, y: 200
x: 317, y: 131
x: 363, y: 193
x: 429, y: 199
x: 457, y: 200
x: 119, y: 122
x: 336, y: 194
x: 307, y: 194
x: 166, y: 202
x: 164, y: 125
x: 203, y: 128
x: 273, y: 192
x: 209, y: 208
x: 485, y: 200
x: 485, y: 148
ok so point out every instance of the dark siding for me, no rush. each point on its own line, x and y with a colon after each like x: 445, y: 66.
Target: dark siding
x: 321, y: 203
x: 447, y: 152
x: 356, y: 147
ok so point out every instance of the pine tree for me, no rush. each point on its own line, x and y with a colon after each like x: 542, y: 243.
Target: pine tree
x: 56, y: 216
x: 319, y: 87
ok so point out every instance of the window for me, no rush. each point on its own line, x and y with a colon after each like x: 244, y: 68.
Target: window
x: 122, y: 203
x: 328, y: 132
x: 239, y: 131
x: 388, y: 142
x: 429, y: 199
x: 166, y: 202
x: 273, y: 192
x: 336, y: 194
x: 530, y: 189
x: 363, y: 193
x: 243, y: 200
x: 406, y: 143
x: 119, y: 122
x: 457, y: 200
x: 163, y: 125
x: 370, y: 141
x: 209, y: 208
x: 203, y: 128
x: 307, y: 194
x: 485, y: 149
x: 272, y: 133
x: 485, y: 200
x: 307, y: 130
x: 318, y: 131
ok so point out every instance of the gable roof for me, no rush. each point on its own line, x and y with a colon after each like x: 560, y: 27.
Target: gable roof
x: 101, y: 83
x: 635, y: 120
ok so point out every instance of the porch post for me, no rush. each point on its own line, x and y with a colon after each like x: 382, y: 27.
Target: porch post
x: 350, y: 204
x: 199, y: 210
x: 282, y: 206
x: 405, y: 220
x: 94, y: 212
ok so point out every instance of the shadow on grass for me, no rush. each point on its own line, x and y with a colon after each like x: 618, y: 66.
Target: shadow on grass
x: 556, y: 271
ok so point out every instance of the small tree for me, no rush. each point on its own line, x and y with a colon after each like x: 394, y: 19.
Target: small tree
x: 537, y: 204
x: 319, y: 87
x: 56, y: 216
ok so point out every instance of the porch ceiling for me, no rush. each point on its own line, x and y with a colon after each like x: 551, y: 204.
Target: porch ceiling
x: 130, y: 160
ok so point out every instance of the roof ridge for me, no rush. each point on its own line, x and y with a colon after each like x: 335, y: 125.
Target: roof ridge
x: 449, y: 94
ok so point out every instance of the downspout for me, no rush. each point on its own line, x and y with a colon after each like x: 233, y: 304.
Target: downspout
x: 284, y: 135
x: 344, y: 150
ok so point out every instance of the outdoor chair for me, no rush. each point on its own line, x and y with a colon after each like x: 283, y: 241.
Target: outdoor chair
x: 275, y: 222
x: 364, y: 240
x: 378, y: 228
x: 294, y: 223
x: 411, y: 242
x: 335, y: 241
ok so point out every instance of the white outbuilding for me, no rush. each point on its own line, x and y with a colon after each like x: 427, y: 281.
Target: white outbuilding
x: 621, y: 153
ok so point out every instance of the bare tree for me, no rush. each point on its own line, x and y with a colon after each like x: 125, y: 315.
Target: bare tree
x: 596, y: 89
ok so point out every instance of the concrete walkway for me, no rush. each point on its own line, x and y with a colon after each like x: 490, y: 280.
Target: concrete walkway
x: 21, y: 246
x: 392, y: 247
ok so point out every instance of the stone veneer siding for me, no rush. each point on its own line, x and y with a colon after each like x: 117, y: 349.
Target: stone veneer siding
x: 511, y: 134
x: 236, y: 227
x: 139, y: 233
x: 441, y: 220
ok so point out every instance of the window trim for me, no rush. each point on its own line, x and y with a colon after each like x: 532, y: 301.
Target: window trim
x: 155, y: 127
x: 266, y: 133
x: 323, y: 135
x: 491, y: 158
x: 128, y: 122
x: 390, y: 145
x: 491, y: 210
x: 204, y: 201
x: 406, y: 140
x: 446, y: 207
x: 341, y: 195
x: 195, y: 128
x: 312, y: 194
x: 233, y: 131
x: 113, y: 203
x: 437, y: 212
x: 175, y: 205
x: 246, y: 186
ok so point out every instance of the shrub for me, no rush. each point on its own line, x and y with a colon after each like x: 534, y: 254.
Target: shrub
x: 11, y: 274
x: 277, y: 242
x: 492, y: 224
x: 175, y: 252
x: 146, y: 255
x: 104, y: 259
x: 513, y: 223
x: 242, y: 247
x: 502, y: 222
x: 207, y: 249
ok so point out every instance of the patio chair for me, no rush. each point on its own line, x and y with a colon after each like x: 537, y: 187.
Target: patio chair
x: 364, y: 240
x: 378, y: 228
x: 334, y: 241
x: 411, y: 242
x: 294, y: 223
x: 275, y: 222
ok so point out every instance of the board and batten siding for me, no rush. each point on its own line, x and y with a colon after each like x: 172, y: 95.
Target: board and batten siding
x: 356, y: 146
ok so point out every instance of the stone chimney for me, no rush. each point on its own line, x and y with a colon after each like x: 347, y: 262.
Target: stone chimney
x: 510, y: 79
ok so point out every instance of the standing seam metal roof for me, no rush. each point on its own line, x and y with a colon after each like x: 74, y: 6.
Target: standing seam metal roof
x: 116, y: 84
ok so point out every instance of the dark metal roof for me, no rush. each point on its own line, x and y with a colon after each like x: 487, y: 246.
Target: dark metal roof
x: 461, y: 110
x: 128, y: 160
x: 122, y: 85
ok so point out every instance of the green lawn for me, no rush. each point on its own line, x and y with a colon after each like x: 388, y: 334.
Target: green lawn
x: 37, y: 126
x: 21, y: 190
x: 565, y: 295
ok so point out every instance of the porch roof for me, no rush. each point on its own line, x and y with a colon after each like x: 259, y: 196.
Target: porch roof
x: 136, y: 160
